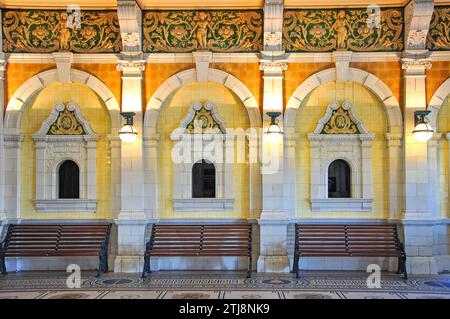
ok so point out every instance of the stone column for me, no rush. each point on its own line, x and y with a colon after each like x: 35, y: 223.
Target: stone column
x: 395, y: 154
x: 273, y: 220
x: 419, y: 198
x: 132, y: 218
x: 151, y: 183
x: 2, y: 149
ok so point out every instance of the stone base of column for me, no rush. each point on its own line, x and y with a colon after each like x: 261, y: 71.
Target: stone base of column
x: 422, y: 265
x: 131, y: 231
x: 278, y: 264
x: 130, y: 264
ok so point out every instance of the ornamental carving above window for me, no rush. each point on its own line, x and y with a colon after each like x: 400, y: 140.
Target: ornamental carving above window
x: 340, y: 119
x: 66, y: 124
x: 204, y: 119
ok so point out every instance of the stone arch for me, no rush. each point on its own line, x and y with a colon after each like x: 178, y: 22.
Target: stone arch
x: 368, y: 80
x: 437, y: 100
x: 178, y: 80
x: 19, y: 101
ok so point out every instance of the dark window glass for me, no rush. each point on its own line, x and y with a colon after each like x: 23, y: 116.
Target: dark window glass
x: 339, y: 179
x: 69, y: 180
x: 203, y: 180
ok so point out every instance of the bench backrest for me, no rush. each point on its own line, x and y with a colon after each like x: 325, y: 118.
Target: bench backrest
x: 348, y: 240
x: 202, y: 240
x: 68, y: 239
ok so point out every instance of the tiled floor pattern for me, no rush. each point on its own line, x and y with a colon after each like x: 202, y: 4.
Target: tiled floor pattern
x: 222, y: 285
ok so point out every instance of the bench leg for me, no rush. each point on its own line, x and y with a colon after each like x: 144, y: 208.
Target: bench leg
x: 146, y: 266
x: 249, y: 274
x: 103, y: 264
x: 400, y: 266
x: 3, y: 264
x: 295, y: 267
x: 405, y: 273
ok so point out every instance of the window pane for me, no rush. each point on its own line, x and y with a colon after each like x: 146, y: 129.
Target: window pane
x: 203, y: 180
x: 339, y: 179
x: 69, y: 180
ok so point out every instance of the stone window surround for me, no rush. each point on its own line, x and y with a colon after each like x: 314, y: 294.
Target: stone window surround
x: 355, y: 149
x: 51, y: 151
x: 182, y: 172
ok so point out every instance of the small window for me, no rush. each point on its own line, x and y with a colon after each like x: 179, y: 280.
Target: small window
x: 69, y: 180
x: 203, y: 180
x: 339, y: 179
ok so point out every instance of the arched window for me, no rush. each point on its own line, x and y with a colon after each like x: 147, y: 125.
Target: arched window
x: 339, y: 179
x: 69, y: 180
x: 203, y: 180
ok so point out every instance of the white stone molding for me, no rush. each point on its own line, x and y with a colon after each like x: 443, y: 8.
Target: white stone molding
x: 182, y: 176
x: 26, y: 91
x: 176, y: 81
x: 130, y: 21
x: 13, y: 117
x: 370, y: 81
x: 63, y: 62
x: 84, y: 58
x: 356, y: 150
x: 273, y: 25
x: 436, y: 101
x: 418, y: 15
x: 52, y: 150
x: 202, y: 60
x: 342, y: 60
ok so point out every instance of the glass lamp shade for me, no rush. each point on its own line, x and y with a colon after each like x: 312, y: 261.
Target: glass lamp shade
x: 274, y: 129
x: 128, y: 133
x: 423, y: 132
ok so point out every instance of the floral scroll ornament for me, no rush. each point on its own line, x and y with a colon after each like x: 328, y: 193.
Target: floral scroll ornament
x: 345, y: 29
x: 66, y: 123
x: 27, y: 31
x: 215, y: 30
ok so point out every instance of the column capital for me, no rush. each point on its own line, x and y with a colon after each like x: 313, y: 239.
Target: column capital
x: 131, y: 66
x: 394, y: 139
x: 415, y: 62
x: 273, y: 62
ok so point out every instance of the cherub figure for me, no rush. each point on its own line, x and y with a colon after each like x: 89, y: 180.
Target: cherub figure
x: 202, y: 30
x: 64, y: 32
x: 340, y: 25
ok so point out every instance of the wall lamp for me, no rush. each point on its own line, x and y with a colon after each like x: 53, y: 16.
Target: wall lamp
x: 274, y: 128
x: 422, y: 129
x: 128, y: 132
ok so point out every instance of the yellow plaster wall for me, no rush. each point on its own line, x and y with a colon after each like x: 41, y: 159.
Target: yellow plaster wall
x: 370, y: 110
x: 96, y: 113
x: 444, y: 127
x: 174, y: 109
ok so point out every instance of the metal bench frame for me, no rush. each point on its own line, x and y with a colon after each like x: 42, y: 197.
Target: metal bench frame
x: 348, y: 252
x: 152, y: 244
x: 55, y: 243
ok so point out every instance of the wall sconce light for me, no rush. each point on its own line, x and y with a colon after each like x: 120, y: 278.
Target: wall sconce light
x: 274, y: 128
x: 128, y: 132
x: 422, y: 130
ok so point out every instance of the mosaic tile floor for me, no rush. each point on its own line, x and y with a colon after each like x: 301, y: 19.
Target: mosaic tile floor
x: 222, y: 285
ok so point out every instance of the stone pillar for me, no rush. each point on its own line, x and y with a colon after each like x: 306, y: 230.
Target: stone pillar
x: 2, y: 149
x: 273, y: 220
x: 151, y: 183
x: 419, y: 198
x: 395, y: 154
x: 132, y: 218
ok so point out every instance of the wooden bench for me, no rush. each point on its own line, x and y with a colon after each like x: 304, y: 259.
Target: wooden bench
x: 348, y: 241
x: 199, y: 240
x: 56, y: 241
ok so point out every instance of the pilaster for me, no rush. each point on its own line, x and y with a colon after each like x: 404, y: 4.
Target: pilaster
x: 273, y: 220
x: 2, y: 149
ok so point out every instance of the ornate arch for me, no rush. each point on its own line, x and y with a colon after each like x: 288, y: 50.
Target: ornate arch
x: 369, y: 80
x: 437, y: 100
x: 19, y: 101
x: 178, y: 80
